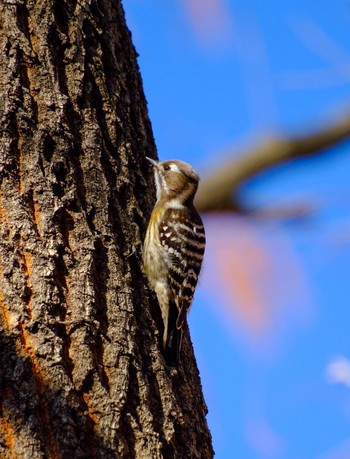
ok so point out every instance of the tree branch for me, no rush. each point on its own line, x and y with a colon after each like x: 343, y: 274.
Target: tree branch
x: 217, y: 191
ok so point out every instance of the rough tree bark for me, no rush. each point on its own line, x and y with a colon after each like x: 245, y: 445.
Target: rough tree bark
x: 82, y: 374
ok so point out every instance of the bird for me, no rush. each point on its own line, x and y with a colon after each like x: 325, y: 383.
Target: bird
x: 174, y: 248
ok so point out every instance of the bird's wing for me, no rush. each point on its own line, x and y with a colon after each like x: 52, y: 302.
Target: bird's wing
x: 182, y: 237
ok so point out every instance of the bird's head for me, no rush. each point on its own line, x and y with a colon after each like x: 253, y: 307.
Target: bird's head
x: 175, y: 180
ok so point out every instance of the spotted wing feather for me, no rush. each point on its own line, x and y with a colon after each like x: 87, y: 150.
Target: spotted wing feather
x: 182, y: 237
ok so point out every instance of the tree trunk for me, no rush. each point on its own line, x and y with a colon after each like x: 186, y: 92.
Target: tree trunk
x: 82, y: 373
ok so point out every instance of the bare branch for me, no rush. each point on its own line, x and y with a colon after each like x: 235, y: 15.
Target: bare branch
x: 217, y: 191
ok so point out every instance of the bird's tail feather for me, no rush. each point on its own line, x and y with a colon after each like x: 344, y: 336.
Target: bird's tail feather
x: 172, y: 347
x: 174, y: 339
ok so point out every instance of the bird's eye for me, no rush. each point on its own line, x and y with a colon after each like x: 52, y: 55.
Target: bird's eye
x: 167, y: 167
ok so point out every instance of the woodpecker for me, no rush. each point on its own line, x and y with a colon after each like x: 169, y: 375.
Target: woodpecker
x: 174, y: 248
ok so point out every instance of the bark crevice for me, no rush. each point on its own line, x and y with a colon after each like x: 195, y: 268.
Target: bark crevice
x: 82, y: 365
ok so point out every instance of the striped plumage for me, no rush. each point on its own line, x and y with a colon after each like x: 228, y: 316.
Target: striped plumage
x: 174, y: 247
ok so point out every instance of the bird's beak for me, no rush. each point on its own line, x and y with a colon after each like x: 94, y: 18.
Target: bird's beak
x: 152, y: 161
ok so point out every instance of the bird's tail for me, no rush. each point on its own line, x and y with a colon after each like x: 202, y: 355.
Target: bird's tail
x: 174, y: 339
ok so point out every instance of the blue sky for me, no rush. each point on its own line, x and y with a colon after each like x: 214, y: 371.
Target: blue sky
x: 219, y: 75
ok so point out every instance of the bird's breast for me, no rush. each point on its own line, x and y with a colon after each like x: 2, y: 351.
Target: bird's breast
x: 153, y: 255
